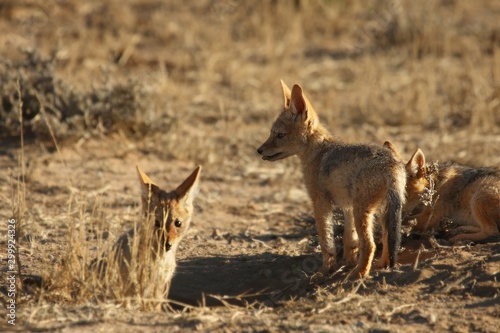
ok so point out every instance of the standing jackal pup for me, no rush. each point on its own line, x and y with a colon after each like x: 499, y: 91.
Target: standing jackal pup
x: 145, y: 255
x: 363, y: 180
x: 469, y: 196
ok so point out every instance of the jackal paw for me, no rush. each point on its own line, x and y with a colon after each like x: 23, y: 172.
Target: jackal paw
x: 357, y: 273
x: 383, y: 262
x: 328, y: 265
x: 351, y: 256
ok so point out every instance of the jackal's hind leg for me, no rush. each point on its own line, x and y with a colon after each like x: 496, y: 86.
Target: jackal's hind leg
x: 486, y: 214
x: 467, y: 229
x: 350, y: 238
x: 384, y: 261
x: 475, y: 233
x: 363, y: 219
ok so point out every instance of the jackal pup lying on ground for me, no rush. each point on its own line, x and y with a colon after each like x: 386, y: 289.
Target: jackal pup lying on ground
x: 468, y: 196
x: 145, y: 255
x: 362, y: 179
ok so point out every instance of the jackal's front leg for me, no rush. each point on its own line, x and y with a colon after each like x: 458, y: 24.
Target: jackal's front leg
x: 350, y: 238
x: 323, y: 213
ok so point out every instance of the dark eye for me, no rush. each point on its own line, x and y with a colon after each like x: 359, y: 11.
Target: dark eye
x: 281, y: 135
x: 177, y: 223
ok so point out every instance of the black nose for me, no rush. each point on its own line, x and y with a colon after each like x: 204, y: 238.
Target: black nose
x: 260, y: 150
x: 168, y: 245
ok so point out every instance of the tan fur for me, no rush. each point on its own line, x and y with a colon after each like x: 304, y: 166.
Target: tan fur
x: 153, y: 244
x: 416, y: 181
x: 468, y: 196
x: 357, y: 178
x: 393, y: 149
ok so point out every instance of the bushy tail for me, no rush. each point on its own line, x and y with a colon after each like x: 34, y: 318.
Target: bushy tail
x: 395, y: 200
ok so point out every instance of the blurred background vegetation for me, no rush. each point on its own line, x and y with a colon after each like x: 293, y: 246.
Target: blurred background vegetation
x: 170, y: 70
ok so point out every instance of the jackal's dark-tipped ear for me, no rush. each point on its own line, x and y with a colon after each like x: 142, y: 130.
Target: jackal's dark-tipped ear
x: 392, y: 147
x: 298, y: 105
x: 188, y: 190
x: 416, y: 164
x: 287, y: 95
x: 147, y: 185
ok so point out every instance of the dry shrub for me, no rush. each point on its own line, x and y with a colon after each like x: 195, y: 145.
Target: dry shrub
x: 125, y: 107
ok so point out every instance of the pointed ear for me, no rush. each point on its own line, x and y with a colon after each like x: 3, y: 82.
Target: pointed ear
x: 287, y: 95
x: 189, y: 188
x: 416, y: 164
x: 298, y: 105
x: 392, y: 147
x: 146, y: 184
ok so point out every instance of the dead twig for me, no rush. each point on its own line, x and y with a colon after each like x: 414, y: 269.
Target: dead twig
x: 397, y: 308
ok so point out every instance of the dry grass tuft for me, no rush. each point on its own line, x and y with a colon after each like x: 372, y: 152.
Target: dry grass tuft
x: 92, y: 270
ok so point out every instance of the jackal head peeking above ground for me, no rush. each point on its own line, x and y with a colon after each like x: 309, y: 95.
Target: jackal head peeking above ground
x: 170, y: 211
x: 290, y: 133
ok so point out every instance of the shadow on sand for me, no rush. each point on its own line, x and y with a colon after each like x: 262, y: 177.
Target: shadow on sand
x: 271, y: 278
x: 268, y: 278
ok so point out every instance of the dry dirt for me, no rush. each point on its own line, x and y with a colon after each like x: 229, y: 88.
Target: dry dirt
x: 210, y: 74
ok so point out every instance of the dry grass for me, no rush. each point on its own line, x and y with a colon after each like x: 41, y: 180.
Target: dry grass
x: 177, y: 84
x: 91, y: 270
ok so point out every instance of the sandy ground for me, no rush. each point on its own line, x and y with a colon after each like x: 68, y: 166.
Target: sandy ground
x: 249, y: 255
x: 247, y: 261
